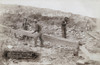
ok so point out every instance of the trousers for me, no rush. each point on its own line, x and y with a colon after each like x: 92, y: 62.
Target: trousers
x: 40, y: 38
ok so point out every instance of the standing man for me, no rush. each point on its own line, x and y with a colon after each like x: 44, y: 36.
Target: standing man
x: 38, y: 29
x: 63, y: 27
x: 25, y: 26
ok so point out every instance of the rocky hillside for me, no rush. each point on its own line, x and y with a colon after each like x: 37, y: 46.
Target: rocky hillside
x: 79, y: 28
x: 50, y: 20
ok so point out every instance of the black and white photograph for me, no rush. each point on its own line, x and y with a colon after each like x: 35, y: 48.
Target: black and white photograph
x: 49, y: 32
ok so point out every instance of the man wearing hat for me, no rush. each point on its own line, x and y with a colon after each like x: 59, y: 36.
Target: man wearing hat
x: 63, y: 27
x: 38, y: 29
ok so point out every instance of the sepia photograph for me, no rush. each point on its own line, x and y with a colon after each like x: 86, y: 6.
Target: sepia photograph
x: 49, y: 32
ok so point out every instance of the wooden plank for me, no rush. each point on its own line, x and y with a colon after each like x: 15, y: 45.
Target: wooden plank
x: 90, y: 56
x: 60, y: 41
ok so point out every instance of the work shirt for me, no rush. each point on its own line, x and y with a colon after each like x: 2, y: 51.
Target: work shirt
x: 26, y: 25
x: 63, y: 23
x: 37, y: 28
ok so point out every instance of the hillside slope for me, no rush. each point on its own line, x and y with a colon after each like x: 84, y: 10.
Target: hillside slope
x: 79, y: 28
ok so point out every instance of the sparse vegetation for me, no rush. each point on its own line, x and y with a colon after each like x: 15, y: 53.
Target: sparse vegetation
x: 77, y: 30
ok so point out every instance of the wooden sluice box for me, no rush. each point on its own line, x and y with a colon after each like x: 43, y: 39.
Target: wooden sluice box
x: 21, y: 55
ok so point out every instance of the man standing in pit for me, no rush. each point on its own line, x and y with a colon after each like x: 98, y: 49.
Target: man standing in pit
x: 63, y: 27
x: 38, y: 29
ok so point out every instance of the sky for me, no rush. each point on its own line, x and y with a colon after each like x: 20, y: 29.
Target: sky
x: 89, y: 8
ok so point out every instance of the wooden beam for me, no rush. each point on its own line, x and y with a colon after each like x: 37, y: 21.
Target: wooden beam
x: 90, y: 56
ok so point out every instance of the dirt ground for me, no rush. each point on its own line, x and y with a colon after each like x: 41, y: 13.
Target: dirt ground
x: 50, y: 55
x: 80, y: 29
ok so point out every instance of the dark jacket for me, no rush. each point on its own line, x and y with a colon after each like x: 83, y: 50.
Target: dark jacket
x: 37, y: 28
x: 25, y: 25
